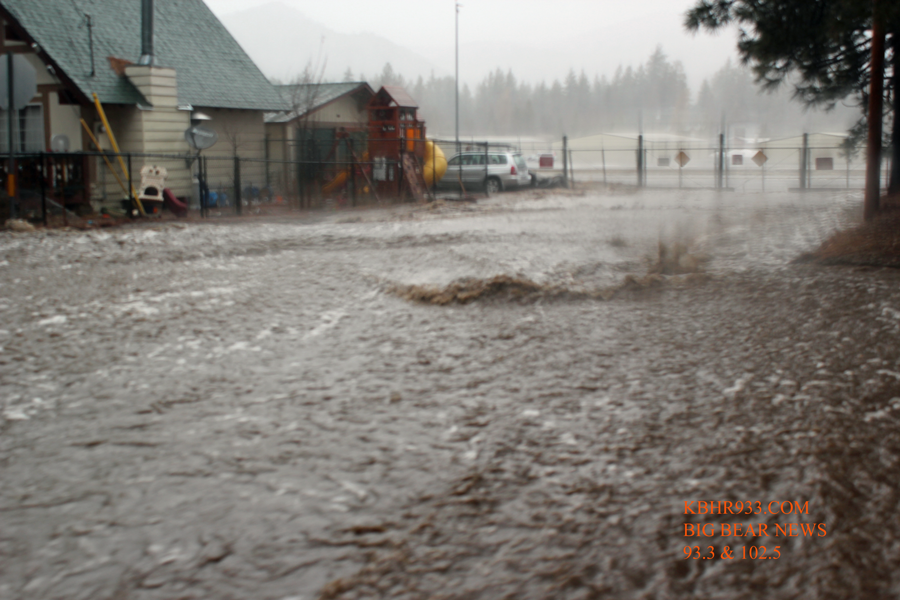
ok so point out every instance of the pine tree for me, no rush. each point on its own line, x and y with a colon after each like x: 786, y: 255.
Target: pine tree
x: 823, y: 47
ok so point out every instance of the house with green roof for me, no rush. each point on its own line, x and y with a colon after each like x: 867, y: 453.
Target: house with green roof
x: 153, y: 68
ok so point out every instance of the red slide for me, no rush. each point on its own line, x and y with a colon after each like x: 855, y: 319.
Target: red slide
x: 175, y: 206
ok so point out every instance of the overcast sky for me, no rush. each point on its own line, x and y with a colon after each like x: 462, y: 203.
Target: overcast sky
x: 428, y: 22
x: 427, y: 26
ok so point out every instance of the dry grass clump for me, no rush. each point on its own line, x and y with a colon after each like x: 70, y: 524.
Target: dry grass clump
x: 876, y: 243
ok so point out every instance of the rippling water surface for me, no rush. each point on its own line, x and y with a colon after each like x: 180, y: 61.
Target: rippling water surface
x: 247, y: 410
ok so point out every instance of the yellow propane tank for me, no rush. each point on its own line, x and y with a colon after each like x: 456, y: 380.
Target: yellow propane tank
x: 435, y: 163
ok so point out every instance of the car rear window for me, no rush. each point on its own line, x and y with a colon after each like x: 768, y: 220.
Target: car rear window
x: 520, y: 162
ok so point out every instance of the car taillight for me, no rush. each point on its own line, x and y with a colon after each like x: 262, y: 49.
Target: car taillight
x: 512, y: 170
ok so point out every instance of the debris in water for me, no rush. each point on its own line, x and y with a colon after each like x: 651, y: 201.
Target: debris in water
x: 468, y: 290
x: 676, y: 260
x: 19, y: 225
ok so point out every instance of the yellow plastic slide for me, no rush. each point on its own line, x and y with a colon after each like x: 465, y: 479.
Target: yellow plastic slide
x: 435, y: 163
x: 435, y: 166
x: 337, y: 182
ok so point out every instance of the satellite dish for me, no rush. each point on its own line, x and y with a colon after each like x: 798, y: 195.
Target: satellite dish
x: 59, y: 143
x: 200, y: 138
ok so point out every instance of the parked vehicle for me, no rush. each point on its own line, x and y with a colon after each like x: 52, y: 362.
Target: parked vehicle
x: 504, y: 170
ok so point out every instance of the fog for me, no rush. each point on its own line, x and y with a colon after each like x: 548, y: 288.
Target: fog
x: 577, y: 69
x: 538, y: 41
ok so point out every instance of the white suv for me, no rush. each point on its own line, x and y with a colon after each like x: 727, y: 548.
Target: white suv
x: 504, y: 170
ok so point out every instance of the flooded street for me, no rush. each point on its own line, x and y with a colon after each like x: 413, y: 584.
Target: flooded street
x: 255, y: 410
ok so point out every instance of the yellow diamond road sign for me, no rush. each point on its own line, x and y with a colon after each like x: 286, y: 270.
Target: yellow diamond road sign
x: 760, y: 159
x: 682, y: 159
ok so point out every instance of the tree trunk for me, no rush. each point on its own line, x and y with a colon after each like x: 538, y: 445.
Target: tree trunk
x: 876, y: 106
x: 894, y: 184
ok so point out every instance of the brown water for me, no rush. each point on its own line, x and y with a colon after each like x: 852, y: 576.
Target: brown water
x: 255, y: 410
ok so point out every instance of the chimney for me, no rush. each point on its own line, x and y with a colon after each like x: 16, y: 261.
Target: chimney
x: 147, y: 57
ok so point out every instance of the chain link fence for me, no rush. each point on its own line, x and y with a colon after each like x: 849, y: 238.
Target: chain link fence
x: 341, y: 173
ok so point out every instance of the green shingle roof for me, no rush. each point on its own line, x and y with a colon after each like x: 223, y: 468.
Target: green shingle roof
x: 312, y: 96
x: 212, y: 69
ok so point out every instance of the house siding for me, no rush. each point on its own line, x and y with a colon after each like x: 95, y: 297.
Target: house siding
x: 65, y: 119
x: 347, y: 112
x: 241, y: 133
x: 280, y: 138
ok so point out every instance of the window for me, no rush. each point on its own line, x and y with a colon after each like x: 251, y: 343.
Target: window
x: 28, y: 130
x: 662, y: 162
x: 453, y: 161
x: 825, y: 164
x: 737, y: 159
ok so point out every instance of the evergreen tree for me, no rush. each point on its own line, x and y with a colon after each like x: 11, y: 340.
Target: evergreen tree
x: 828, y: 47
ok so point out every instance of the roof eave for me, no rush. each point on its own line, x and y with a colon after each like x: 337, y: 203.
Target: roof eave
x: 309, y: 111
x: 41, y: 53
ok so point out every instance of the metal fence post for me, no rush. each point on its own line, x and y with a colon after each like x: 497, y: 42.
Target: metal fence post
x: 352, y: 172
x: 44, y: 191
x: 200, y: 184
x: 572, y: 169
x: 640, y: 161
x: 205, y: 191
x: 803, y: 159
x: 565, y: 153
x: 11, y: 173
x: 237, y: 184
x: 603, y: 158
x: 646, y: 168
x: 486, y: 169
x: 128, y: 191
x: 720, y: 176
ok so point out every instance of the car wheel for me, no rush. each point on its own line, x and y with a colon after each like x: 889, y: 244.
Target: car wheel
x: 493, y: 185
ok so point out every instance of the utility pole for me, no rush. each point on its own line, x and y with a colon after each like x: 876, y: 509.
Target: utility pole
x: 458, y: 148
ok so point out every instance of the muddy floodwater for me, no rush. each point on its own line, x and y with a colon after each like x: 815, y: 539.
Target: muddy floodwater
x: 261, y: 409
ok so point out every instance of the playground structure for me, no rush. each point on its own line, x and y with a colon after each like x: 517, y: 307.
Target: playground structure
x: 386, y: 156
x: 399, y: 160
x: 435, y: 164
